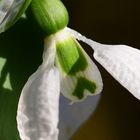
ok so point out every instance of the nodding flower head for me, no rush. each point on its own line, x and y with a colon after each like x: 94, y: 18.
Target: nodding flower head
x: 66, y: 67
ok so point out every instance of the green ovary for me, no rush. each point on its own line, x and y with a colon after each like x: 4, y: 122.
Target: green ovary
x: 49, y: 15
x: 70, y: 56
x: 83, y: 84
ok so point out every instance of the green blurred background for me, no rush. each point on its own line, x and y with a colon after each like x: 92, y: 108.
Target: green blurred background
x: 20, y: 55
x: 117, y: 116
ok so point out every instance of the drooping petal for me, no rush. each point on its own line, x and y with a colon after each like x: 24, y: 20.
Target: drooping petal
x: 121, y: 61
x: 37, y: 115
x: 79, y: 75
x: 10, y: 12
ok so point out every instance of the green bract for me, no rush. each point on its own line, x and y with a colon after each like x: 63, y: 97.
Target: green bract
x: 50, y: 15
x: 11, y: 11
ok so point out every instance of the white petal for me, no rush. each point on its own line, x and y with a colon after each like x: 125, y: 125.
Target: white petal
x: 37, y: 115
x: 121, y: 61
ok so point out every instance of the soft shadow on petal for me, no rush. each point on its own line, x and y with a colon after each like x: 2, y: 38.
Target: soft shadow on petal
x: 73, y: 116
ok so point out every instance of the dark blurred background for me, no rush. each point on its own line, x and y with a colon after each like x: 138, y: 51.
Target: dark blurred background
x: 117, y: 116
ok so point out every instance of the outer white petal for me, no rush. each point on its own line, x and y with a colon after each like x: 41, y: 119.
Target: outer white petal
x: 121, y: 61
x: 37, y: 115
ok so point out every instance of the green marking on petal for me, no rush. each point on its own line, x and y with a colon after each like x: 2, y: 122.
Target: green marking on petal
x: 70, y: 56
x: 84, y: 84
x: 67, y: 54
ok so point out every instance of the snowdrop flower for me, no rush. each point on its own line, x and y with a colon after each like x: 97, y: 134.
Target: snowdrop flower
x: 66, y: 68
x: 121, y: 61
x: 37, y: 114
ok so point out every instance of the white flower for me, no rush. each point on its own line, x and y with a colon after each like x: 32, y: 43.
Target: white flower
x: 37, y: 114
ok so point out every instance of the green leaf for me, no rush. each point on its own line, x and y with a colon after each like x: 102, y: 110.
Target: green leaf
x: 17, y: 62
